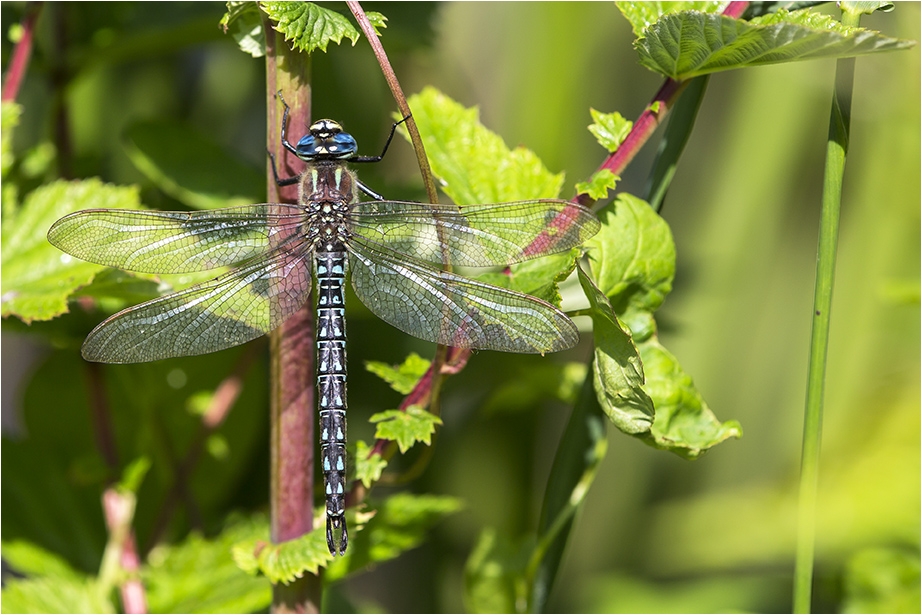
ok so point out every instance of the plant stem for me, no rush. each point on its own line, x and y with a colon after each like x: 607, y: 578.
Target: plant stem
x: 836, y: 149
x: 291, y: 352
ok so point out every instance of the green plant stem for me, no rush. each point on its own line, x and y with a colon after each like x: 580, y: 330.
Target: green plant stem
x: 836, y: 149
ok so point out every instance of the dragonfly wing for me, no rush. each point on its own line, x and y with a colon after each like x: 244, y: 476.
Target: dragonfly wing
x: 449, y: 309
x: 232, y: 309
x: 175, y: 241
x: 474, y: 235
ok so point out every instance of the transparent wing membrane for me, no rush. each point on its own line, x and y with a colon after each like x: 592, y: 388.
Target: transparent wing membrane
x: 449, y: 309
x: 474, y: 235
x: 174, y: 241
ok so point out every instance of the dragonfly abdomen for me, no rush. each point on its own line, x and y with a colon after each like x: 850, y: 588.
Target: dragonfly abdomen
x: 330, y: 268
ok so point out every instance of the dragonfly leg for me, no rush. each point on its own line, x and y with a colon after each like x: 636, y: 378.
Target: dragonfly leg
x: 387, y: 144
x: 288, y: 181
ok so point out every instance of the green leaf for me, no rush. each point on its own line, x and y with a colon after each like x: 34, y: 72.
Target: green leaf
x: 865, y: 8
x: 402, y: 378
x: 244, y: 22
x: 598, y: 185
x: 684, y: 424
x: 308, y: 26
x: 690, y: 43
x: 192, y: 168
x: 10, y: 113
x: 538, y: 277
x: 283, y: 563
x: 31, y: 560
x: 882, y: 580
x: 406, y: 427
x: 642, y: 14
x: 632, y: 258
x: 38, y: 278
x: 368, y: 470
x: 199, y: 575
x: 610, y: 129
x: 617, y: 369
x: 474, y: 164
x: 49, y: 594
x: 493, y: 572
x: 401, y: 524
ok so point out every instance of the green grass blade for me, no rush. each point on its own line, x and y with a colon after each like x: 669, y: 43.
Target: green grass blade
x: 836, y: 148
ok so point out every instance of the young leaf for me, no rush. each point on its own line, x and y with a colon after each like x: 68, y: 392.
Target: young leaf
x: 406, y: 428
x: 244, y: 21
x: 642, y: 14
x: 598, y: 185
x: 617, y: 370
x: 368, y: 469
x: 402, y: 378
x: 688, y: 44
x: 684, y: 424
x: 610, y: 129
x: 37, y: 277
x: 474, y: 164
x: 309, y: 27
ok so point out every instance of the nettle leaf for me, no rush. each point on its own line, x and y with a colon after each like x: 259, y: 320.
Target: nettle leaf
x: 684, y: 423
x: 283, y: 563
x: 309, y: 27
x: 473, y: 163
x: 642, y: 14
x: 617, y: 369
x: 368, y: 469
x: 401, y: 523
x: 406, y: 428
x: 598, y: 185
x: 49, y: 594
x: 610, y: 129
x: 632, y: 258
x: 538, y: 277
x: 37, y: 277
x: 199, y: 575
x: 691, y: 43
x: 402, y: 378
x: 243, y: 21
x: 191, y: 167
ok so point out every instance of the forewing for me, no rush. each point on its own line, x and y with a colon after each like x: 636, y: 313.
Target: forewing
x: 175, y: 241
x: 449, y: 309
x: 474, y: 235
x: 232, y: 309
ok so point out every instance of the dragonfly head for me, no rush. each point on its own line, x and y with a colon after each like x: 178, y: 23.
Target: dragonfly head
x: 326, y: 141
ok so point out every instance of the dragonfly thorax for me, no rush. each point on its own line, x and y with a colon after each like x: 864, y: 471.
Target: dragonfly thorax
x: 326, y: 141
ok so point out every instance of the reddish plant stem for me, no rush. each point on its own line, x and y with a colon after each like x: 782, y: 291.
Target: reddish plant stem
x: 292, y: 348
x: 21, y: 54
x: 118, y: 510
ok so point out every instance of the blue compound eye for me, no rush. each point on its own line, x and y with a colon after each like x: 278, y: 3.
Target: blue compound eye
x: 326, y: 140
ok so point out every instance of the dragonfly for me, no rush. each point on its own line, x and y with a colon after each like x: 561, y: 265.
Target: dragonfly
x: 395, y: 253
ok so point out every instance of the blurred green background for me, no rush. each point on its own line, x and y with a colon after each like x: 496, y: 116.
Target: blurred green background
x: 657, y: 534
